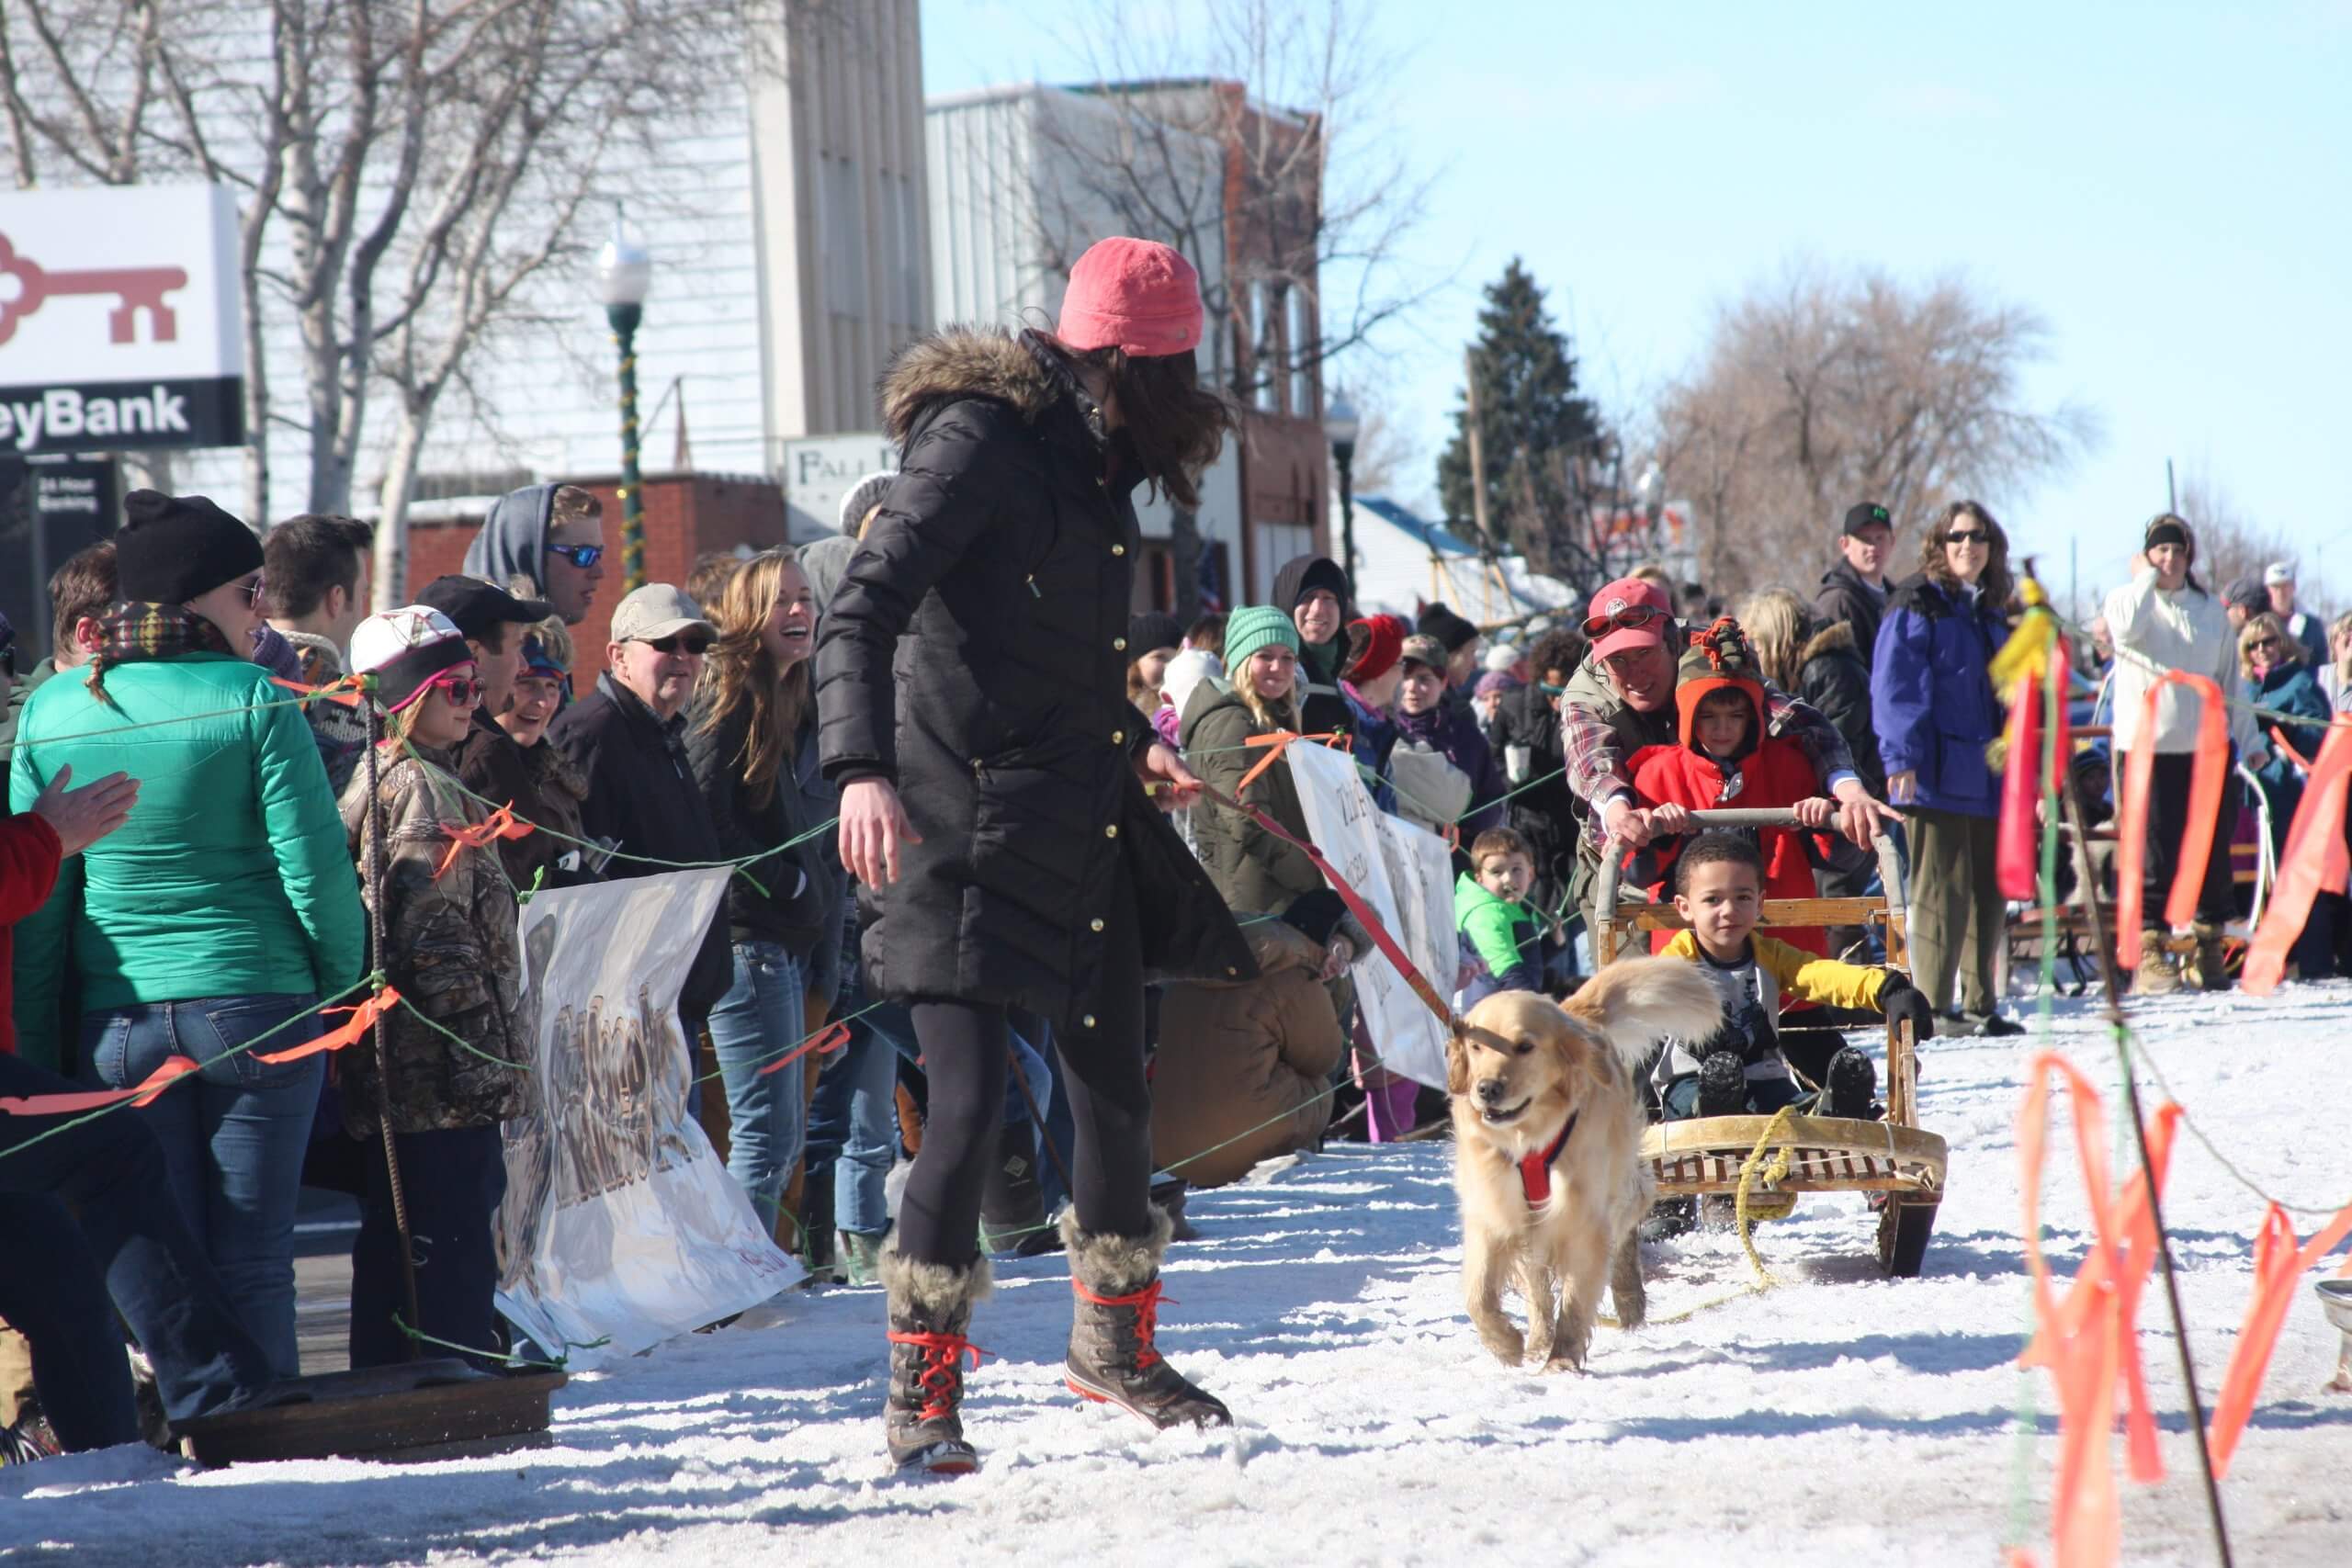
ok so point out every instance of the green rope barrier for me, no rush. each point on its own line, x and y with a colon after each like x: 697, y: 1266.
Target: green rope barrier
x: 563, y: 1362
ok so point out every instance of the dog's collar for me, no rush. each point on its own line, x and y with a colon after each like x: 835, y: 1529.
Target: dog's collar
x: 1536, y: 1170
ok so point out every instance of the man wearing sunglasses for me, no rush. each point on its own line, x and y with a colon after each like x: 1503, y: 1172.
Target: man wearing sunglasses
x: 1622, y: 699
x: 552, y: 538
x: 627, y: 737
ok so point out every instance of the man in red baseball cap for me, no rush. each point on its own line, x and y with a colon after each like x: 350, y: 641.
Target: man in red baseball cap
x: 1622, y: 699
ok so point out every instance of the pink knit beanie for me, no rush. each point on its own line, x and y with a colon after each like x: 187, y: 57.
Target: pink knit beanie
x: 1135, y: 295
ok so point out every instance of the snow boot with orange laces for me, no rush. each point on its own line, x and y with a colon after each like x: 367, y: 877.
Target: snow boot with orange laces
x: 1115, y: 1289
x: 930, y: 1308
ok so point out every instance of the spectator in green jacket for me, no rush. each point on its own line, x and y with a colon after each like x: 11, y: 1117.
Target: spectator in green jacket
x: 223, y: 911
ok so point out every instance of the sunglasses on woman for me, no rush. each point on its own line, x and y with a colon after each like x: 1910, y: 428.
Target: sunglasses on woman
x: 581, y: 556
x: 1627, y: 619
x: 253, y: 590
x: 1968, y: 536
x: 2262, y: 645
x: 460, y: 689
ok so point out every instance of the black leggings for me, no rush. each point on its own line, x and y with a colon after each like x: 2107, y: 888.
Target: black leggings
x: 2168, y: 827
x: 965, y: 1055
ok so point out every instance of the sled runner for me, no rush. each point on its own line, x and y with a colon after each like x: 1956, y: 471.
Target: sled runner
x: 436, y: 1409
x: 1896, y: 1159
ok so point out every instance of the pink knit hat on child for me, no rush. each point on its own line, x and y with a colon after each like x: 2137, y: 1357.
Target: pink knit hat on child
x: 1134, y: 295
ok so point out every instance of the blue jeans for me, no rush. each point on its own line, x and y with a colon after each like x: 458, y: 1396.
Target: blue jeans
x: 855, y: 1124
x: 753, y: 1025
x: 234, y: 1136
x: 123, y: 1247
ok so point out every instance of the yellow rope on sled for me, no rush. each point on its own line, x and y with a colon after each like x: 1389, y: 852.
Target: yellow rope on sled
x: 1752, y: 1169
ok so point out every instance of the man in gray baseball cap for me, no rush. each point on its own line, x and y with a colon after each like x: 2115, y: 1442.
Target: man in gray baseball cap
x: 627, y: 738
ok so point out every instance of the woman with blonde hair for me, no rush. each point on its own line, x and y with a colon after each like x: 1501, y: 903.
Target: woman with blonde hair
x: 752, y: 743
x: 1255, y: 871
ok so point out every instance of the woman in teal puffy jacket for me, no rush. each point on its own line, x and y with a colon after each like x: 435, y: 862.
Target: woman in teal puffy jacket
x: 225, y: 908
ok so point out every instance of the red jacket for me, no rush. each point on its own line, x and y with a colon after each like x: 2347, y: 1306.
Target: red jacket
x: 1775, y: 773
x: 29, y: 853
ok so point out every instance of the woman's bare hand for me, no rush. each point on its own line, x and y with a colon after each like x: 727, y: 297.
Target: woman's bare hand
x: 873, y: 825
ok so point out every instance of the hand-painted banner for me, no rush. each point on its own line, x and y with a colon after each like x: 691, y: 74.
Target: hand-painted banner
x: 1406, y: 875
x: 619, y: 1221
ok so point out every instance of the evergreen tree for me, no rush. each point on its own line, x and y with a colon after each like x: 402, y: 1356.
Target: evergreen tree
x: 1531, y: 426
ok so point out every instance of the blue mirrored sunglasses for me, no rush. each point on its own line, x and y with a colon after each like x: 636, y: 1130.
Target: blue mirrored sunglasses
x: 581, y: 556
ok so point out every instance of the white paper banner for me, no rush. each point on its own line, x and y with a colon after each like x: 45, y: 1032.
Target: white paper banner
x: 1406, y: 874
x: 619, y: 1221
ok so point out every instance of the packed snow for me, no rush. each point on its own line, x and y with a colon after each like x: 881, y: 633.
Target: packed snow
x: 1843, y: 1415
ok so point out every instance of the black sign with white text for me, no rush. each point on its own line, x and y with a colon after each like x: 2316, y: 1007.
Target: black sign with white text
x: 122, y: 416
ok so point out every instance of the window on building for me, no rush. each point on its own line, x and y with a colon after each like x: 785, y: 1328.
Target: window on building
x: 1265, y: 388
x: 841, y: 228
x: 1299, y: 345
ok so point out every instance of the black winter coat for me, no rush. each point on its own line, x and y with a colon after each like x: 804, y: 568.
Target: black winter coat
x: 798, y: 904
x: 975, y: 654
x: 1844, y: 596
x: 641, y: 793
x: 1832, y: 677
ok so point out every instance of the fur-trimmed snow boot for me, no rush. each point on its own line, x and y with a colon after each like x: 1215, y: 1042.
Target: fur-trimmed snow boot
x: 1115, y: 1289
x: 930, y: 1308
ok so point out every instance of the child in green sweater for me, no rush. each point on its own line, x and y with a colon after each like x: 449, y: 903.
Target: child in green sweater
x: 1501, y: 939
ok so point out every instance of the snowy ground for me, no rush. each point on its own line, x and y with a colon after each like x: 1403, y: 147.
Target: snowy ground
x: 1853, y: 1418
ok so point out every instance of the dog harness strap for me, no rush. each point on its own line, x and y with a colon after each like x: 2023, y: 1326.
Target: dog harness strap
x: 1536, y: 1170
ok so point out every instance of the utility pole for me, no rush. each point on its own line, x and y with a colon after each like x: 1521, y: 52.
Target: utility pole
x: 2172, y: 495
x: 1477, y: 451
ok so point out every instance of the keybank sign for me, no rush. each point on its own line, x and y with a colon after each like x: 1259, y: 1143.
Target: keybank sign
x: 119, y: 322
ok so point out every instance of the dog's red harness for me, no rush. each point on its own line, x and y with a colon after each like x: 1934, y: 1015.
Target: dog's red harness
x: 1536, y: 1170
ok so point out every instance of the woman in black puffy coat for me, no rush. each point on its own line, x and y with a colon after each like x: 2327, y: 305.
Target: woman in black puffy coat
x: 971, y: 680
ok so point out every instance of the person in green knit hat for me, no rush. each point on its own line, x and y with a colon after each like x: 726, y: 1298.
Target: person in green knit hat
x: 1252, y: 868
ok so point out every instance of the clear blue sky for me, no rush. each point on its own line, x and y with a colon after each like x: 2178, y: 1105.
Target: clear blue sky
x: 2170, y: 186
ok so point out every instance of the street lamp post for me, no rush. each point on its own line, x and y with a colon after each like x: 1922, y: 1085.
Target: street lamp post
x: 1339, y: 429
x: 624, y: 273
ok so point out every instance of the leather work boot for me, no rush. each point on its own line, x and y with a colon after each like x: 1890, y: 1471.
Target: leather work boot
x: 930, y: 1308
x: 2209, y: 965
x: 1115, y: 1289
x: 2158, y: 973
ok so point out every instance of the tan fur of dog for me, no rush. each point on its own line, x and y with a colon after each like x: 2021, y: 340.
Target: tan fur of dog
x: 1518, y: 1067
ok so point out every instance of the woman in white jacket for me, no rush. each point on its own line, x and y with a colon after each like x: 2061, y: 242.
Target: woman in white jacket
x: 2163, y: 619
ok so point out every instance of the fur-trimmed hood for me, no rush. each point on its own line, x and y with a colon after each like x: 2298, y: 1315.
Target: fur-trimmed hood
x: 966, y: 362
x: 1838, y: 637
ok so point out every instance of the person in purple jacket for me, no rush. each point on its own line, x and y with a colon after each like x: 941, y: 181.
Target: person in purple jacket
x: 1933, y: 704
x: 1425, y: 721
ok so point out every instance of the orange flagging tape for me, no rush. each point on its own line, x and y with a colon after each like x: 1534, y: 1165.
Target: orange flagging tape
x: 173, y: 1069
x: 2314, y: 861
x: 499, y: 824
x: 2087, y: 1341
x: 351, y: 691
x: 1275, y: 745
x: 824, y: 1042
x: 2204, y: 801
x: 363, y: 1018
x: 2023, y: 786
x: 2279, y: 1268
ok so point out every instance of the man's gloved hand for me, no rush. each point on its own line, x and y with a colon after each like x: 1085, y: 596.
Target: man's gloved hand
x: 1903, y: 1002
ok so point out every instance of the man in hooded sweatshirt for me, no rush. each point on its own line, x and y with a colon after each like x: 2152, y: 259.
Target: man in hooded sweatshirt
x: 1314, y: 592
x: 550, y: 536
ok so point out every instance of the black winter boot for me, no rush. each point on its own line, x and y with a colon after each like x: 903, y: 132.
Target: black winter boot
x: 930, y: 1308
x: 1722, y: 1085
x: 1115, y: 1287
x: 1012, y: 1204
x: 1852, y: 1081
x: 2211, y: 967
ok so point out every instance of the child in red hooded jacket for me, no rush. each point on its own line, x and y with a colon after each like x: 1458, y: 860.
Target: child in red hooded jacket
x: 1728, y: 759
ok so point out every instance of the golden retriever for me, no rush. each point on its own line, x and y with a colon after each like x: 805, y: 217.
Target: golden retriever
x: 1520, y: 1068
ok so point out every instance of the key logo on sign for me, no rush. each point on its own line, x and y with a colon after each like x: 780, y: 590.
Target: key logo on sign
x: 26, y: 286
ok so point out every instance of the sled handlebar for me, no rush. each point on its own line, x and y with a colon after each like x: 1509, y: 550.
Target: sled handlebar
x: 1890, y: 867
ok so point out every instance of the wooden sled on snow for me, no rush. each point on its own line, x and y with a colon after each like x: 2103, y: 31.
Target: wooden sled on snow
x: 438, y: 1409
x: 1896, y: 1158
